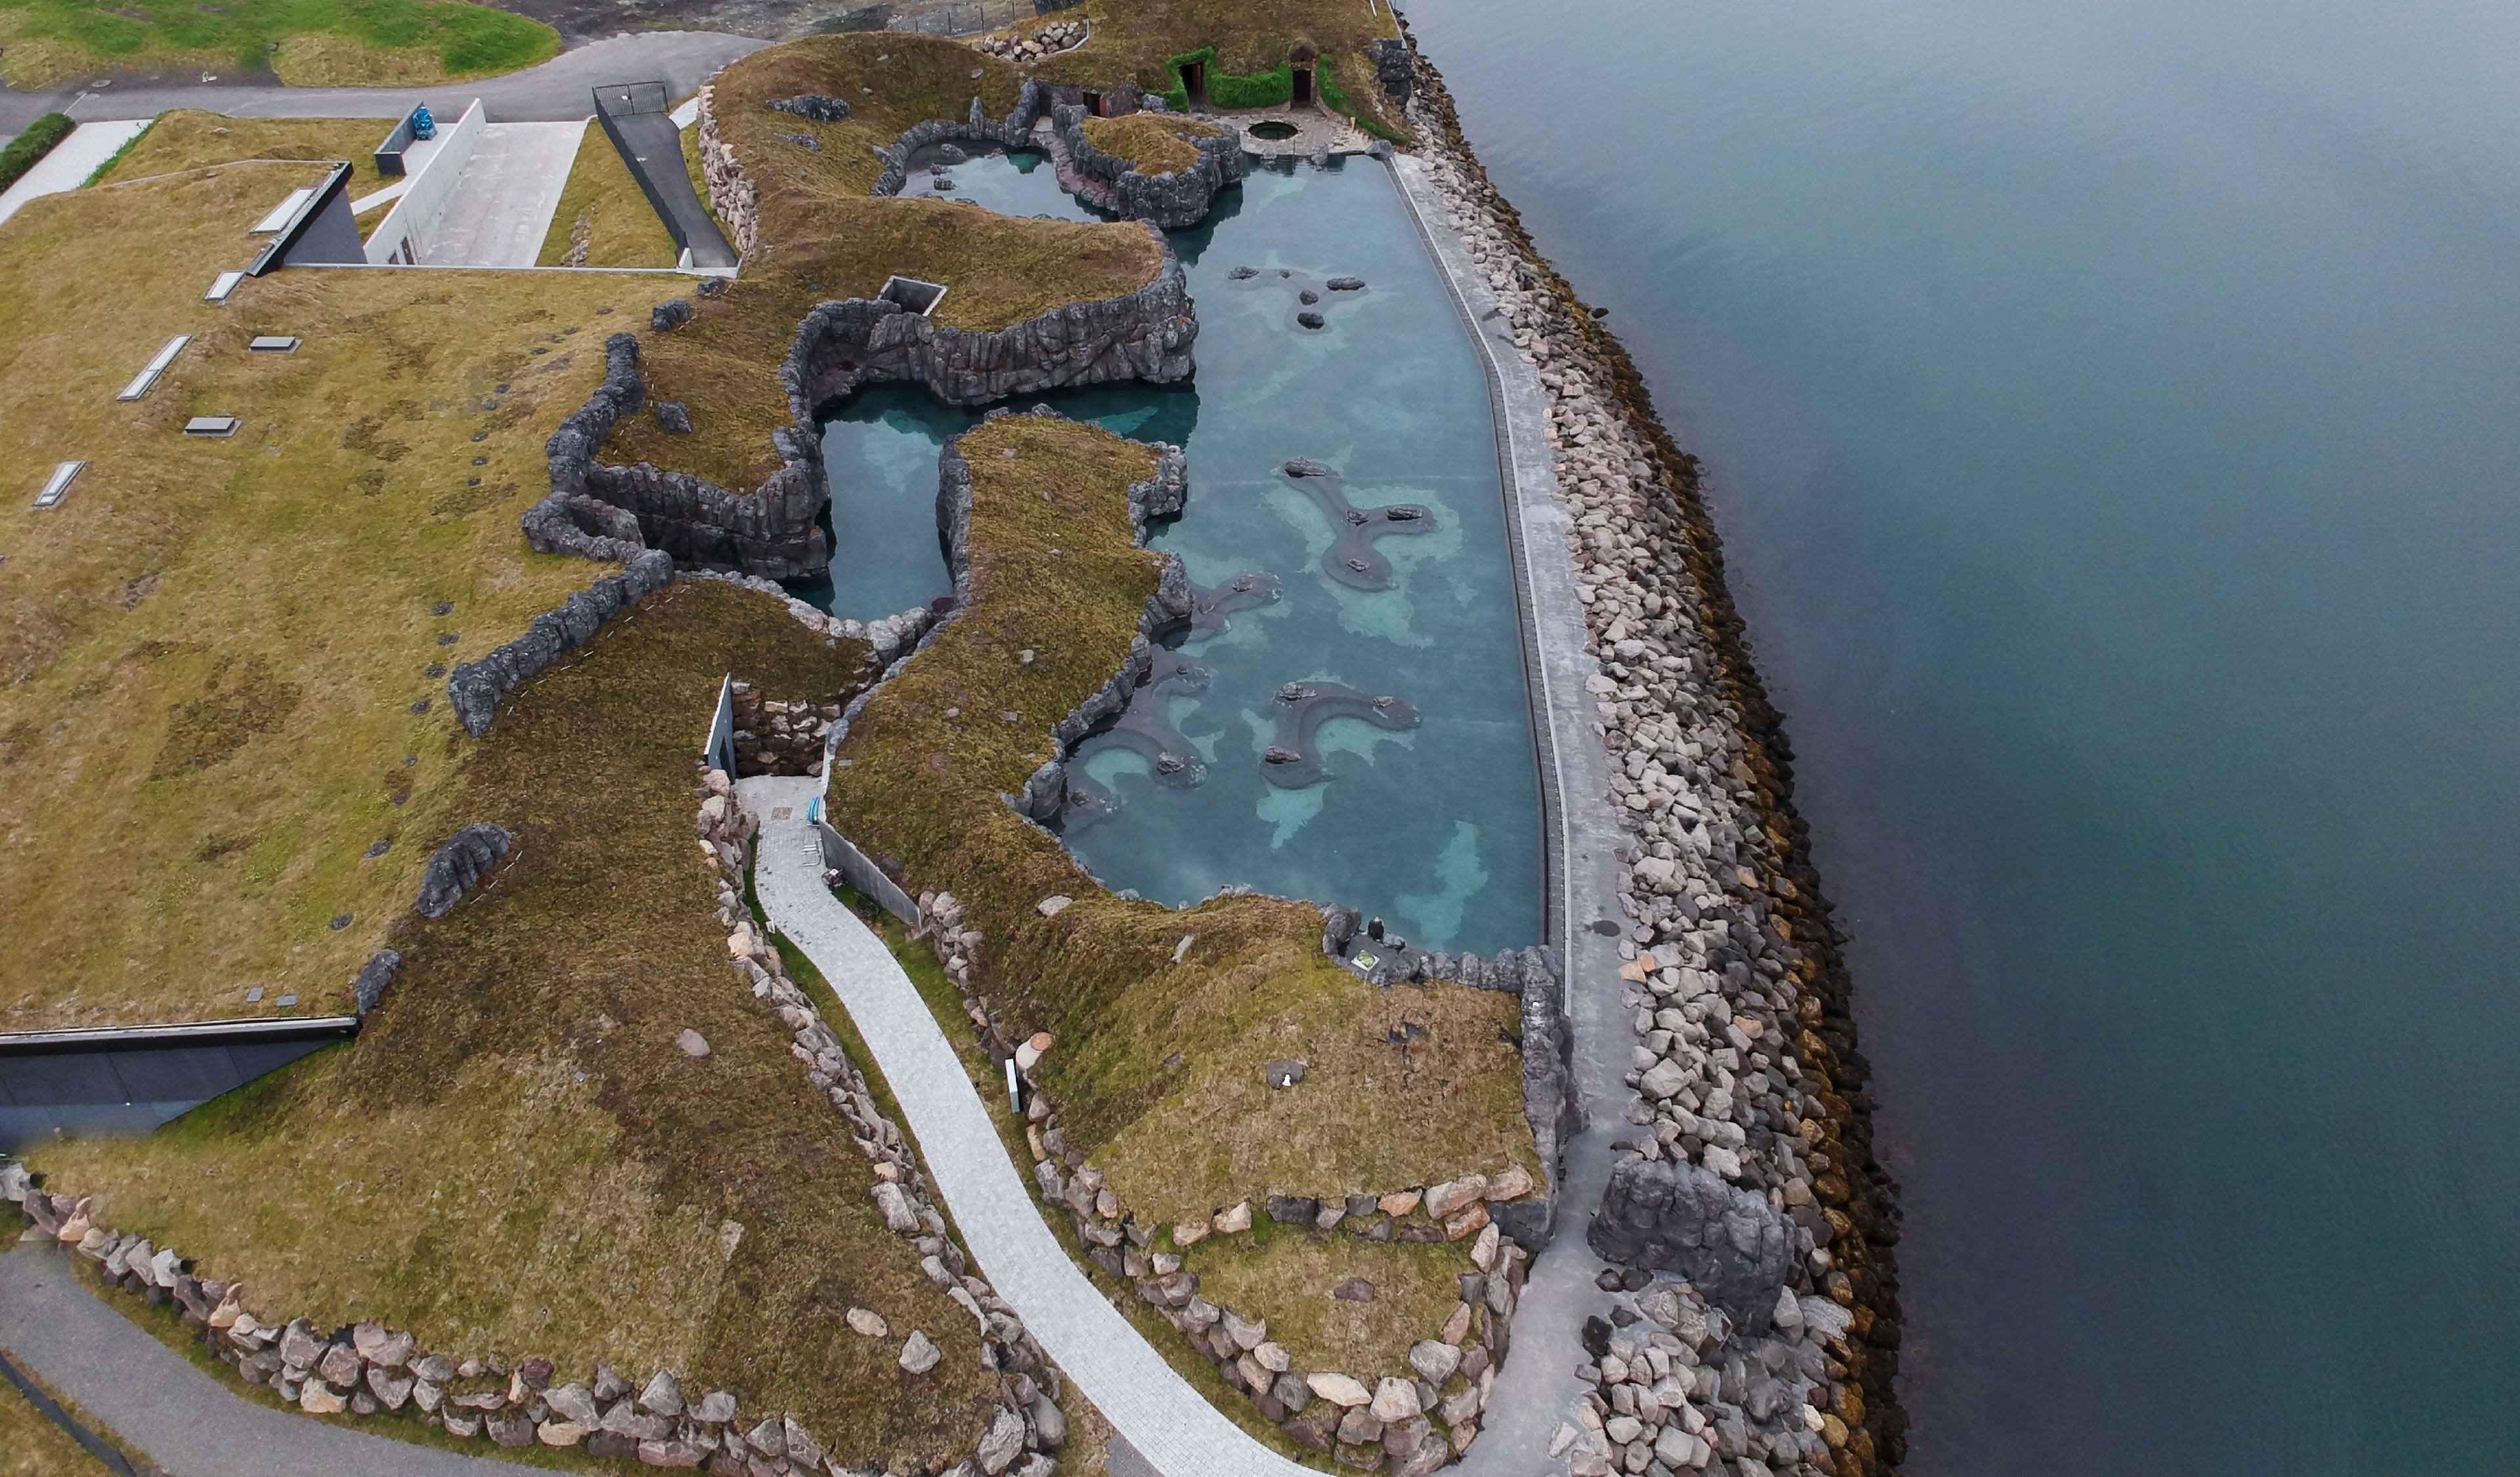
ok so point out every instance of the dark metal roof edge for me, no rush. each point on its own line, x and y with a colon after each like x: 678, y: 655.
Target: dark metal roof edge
x: 201, y: 1033
x: 295, y: 227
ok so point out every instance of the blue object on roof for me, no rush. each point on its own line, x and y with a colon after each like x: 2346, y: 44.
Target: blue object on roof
x: 422, y: 125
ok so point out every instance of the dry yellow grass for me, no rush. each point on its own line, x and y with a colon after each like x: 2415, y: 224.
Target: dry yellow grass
x: 1289, y: 1277
x: 187, y: 139
x: 1156, y: 143
x: 32, y: 1445
x: 315, y: 60
x: 602, y: 200
x: 211, y: 654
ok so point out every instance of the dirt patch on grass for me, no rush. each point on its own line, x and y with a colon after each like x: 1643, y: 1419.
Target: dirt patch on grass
x: 513, y: 1155
x: 217, y: 657
x: 1156, y: 143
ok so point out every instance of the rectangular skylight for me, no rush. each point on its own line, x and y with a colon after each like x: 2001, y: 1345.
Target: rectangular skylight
x: 57, y: 485
x: 141, y: 382
x: 281, y: 212
x: 273, y: 343
x: 225, y: 284
x: 211, y: 426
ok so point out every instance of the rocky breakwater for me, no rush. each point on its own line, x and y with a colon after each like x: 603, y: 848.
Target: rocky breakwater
x: 1752, y: 1125
x: 1407, y: 1421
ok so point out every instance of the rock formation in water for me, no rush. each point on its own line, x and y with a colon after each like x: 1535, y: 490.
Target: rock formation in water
x: 1294, y: 761
x: 1211, y: 606
x: 1353, y: 559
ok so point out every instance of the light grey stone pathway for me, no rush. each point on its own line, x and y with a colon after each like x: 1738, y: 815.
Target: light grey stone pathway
x: 181, y: 1418
x: 1170, y: 1424
x: 1538, y: 1385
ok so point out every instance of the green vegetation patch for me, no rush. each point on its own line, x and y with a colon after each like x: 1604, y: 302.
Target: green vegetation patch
x: 1154, y: 143
x: 513, y: 1155
x: 1247, y: 50
x: 605, y: 219
x: 1157, y: 1066
x: 360, y: 42
x: 28, y: 148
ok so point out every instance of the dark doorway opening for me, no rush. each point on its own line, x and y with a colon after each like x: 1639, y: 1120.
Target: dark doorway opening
x: 1194, y: 82
x: 1303, y: 86
x: 1093, y: 104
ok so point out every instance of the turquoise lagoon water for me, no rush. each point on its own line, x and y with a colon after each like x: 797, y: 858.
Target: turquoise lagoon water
x: 2112, y: 411
x: 1434, y: 828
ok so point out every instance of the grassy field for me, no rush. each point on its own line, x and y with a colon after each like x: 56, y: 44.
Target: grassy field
x: 186, y: 139
x: 1156, y: 144
x: 513, y: 1156
x: 1157, y: 1069
x: 604, y: 204
x: 215, y: 657
x: 308, y: 43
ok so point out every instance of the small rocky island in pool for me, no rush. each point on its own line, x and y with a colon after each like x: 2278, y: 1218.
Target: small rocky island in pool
x: 1206, y: 703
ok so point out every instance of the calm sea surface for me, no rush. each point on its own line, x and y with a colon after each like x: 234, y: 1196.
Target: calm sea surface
x: 2113, y: 416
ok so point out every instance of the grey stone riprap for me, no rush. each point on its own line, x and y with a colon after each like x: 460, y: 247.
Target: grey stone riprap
x: 474, y: 688
x: 732, y: 195
x: 1731, y: 1245
x: 458, y: 864
x: 1044, y: 41
x: 814, y: 105
x: 1742, y: 1065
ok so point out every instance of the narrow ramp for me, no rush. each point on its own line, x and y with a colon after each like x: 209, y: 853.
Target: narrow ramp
x: 635, y: 116
x: 1170, y: 1425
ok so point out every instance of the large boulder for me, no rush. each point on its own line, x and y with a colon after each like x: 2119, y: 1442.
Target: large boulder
x: 1734, y: 1248
x: 459, y: 864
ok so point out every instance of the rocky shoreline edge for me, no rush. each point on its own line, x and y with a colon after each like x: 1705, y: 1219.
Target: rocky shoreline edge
x: 1730, y: 950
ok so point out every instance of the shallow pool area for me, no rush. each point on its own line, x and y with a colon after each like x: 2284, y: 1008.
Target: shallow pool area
x: 1011, y: 182
x: 1346, y: 720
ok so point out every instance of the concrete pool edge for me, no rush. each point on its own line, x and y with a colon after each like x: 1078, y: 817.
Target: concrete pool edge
x: 1581, y: 835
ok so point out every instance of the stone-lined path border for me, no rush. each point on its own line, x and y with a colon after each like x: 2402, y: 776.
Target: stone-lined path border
x: 1170, y: 1424
x: 181, y: 1418
x: 1583, y: 836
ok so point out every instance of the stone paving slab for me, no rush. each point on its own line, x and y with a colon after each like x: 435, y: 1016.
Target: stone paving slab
x: 1168, y: 1423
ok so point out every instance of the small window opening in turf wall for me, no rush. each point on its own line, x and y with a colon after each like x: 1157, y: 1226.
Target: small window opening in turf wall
x: 1302, y: 63
x: 1093, y: 104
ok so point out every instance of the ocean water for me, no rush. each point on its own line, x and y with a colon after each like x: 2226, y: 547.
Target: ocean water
x: 1429, y: 820
x: 2113, y: 416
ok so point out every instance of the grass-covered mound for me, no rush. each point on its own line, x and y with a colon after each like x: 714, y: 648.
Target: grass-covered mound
x: 1155, y: 143
x: 1157, y: 1066
x: 188, y: 139
x: 825, y: 238
x: 513, y: 1155
x: 309, y: 43
x: 215, y: 657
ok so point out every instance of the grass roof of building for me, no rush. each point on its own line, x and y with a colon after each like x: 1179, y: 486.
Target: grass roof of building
x: 189, y: 139
x: 1158, y: 1071
x: 1156, y: 143
x: 216, y: 655
x: 1138, y: 39
x: 513, y: 1155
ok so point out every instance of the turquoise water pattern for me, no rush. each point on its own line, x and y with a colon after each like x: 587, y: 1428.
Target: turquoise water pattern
x: 1017, y: 181
x: 1432, y: 824
x: 2111, y: 412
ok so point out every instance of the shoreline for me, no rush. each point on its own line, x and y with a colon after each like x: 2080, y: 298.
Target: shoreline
x: 1658, y: 526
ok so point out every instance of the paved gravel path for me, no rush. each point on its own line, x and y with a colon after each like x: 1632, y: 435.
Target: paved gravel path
x: 1171, y: 1425
x: 181, y: 1418
x: 557, y: 91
